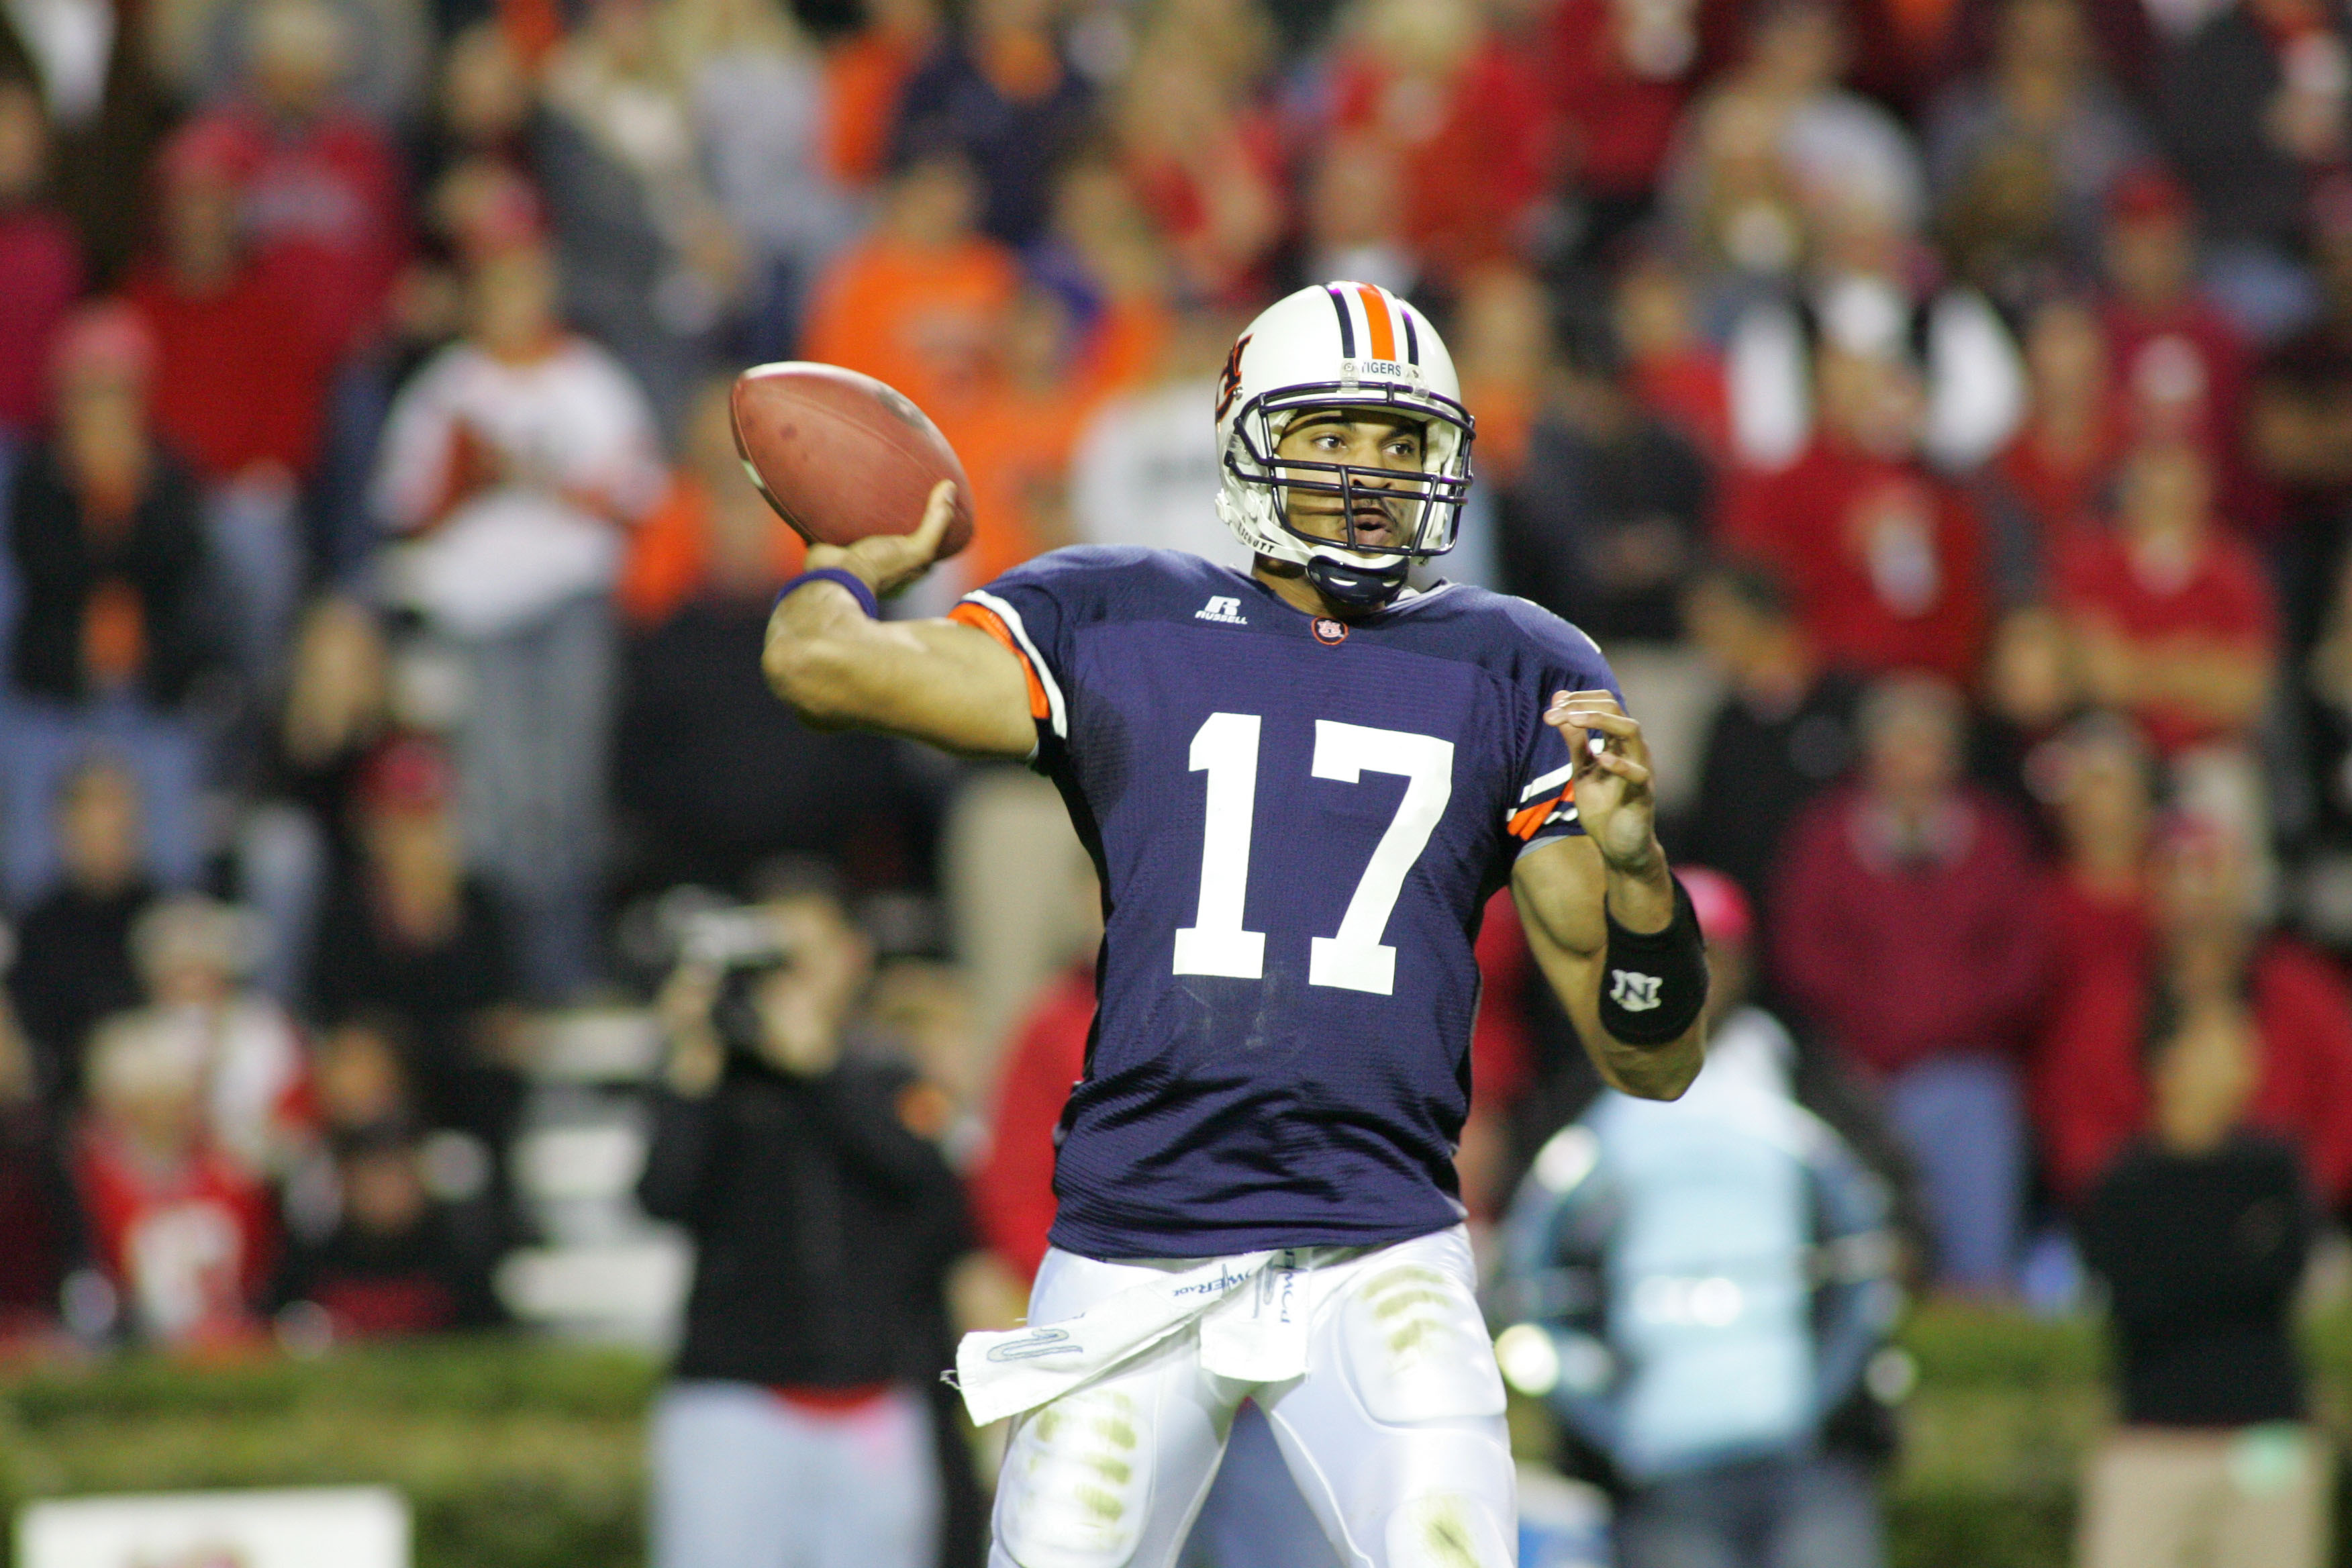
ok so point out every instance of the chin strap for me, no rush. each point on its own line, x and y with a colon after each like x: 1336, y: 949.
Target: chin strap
x: 1355, y: 587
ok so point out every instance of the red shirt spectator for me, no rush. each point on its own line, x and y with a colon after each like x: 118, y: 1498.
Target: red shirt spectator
x: 2175, y: 616
x: 184, y: 1229
x: 1883, y: 559
x: 2055, y: 490
x: 1463, y: 114
x: 1619, y: 73
x: 1908, y: 919
x: 40, y: 266
x: 2092, y: 1097
x: 1013, y: 1187
x: 190, y: 1247
x: 2187, y: 363
x: 2202, y: 964
x: 2223, y: 596
x: 1670, y: 365
x: 240, y: 384
x: 2050, y: 476
x: 2180, y: 366
x: 240, y: 381
x: 1904, y: 958
x: 2101, y: 948
x: 325, y: 212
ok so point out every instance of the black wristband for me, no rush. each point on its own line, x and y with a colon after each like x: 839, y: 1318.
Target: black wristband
x: 1653, y: 983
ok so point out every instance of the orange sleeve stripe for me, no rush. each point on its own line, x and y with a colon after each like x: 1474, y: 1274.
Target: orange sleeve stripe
x: 987, y: 620
x: 1376, y: 314
x: 1528, y: 820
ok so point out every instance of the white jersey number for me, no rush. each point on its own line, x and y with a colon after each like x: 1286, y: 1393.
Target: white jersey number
x: 1354, y: 959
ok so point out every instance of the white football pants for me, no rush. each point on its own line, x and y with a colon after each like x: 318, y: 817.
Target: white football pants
x: 1394, y: 1431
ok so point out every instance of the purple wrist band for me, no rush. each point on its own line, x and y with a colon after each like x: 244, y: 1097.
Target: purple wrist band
x: 849, y: 580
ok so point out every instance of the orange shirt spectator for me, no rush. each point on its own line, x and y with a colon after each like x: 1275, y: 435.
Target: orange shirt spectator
x: 917, y: 304
x: 1016, y: 444
x: 711, y: 522
x: 1017, y: 431
x: 669, y: 554
x: 865, y: 77
x: 1503, y: 349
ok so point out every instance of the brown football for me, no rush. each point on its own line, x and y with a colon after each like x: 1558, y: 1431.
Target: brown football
x: 841, y: 456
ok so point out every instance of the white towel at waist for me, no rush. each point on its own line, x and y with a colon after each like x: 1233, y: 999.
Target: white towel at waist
x: 1243, y: 1305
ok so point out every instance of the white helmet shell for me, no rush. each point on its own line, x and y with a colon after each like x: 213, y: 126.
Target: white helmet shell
x: 1334, y: 345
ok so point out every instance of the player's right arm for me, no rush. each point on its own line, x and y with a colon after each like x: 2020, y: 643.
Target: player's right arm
x: 940, y: 681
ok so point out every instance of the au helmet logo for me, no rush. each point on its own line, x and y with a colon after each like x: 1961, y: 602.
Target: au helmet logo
x: 1330, y: 632
x: 1230, y: 383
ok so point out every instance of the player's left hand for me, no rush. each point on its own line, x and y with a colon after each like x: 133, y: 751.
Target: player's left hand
x: 1613, y: 799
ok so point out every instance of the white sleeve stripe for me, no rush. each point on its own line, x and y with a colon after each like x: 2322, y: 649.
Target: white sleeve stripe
x: 1551, y: 780
x: 1012, y: 619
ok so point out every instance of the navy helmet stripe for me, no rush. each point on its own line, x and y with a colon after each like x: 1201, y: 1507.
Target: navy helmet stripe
x: 1347, y: 322
x: 1411, y: 336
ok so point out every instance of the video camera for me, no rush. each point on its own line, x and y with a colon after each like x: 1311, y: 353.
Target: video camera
x: 743, y: 944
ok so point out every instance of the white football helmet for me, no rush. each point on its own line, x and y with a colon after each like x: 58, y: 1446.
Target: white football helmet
x: 1341, y: 345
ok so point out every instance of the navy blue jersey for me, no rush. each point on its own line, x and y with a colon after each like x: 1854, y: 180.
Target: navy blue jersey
x: 1297, y: 821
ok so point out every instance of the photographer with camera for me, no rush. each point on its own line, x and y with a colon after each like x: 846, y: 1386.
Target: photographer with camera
x: 796, y: 1431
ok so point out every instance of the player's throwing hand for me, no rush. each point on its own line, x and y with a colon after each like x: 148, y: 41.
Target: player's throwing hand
x: 889, y: 561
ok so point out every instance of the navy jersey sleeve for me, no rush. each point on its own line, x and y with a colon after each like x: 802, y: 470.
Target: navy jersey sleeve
x: 1034, y: 610
x: 1558, y: 657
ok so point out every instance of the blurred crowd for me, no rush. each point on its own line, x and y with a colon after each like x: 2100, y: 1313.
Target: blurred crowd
x: 1939, y: 410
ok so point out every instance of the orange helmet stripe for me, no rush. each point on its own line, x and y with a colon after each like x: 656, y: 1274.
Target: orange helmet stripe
x: 1376, y: 316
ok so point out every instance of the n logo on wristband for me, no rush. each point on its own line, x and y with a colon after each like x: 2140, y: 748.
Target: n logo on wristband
x: 1635, y: 993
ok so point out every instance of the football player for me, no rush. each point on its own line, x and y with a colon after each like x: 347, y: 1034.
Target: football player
x: 1301, y: 784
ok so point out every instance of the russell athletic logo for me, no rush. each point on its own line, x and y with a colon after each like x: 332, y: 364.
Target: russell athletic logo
x: 1225, y: 612
x: 1329, y: 632
x: 1635, y: 993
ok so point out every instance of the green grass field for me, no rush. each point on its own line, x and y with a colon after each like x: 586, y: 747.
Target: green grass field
x: 523, y: 1454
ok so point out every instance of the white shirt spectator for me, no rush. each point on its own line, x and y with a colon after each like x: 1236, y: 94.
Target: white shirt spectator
x: 1145, y: 472
x: 571, y: 431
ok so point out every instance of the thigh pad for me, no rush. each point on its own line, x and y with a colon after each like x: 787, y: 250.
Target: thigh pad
x: 1416, y: 1348
x: 1446, y: 1530
x: 1082, y: 1467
